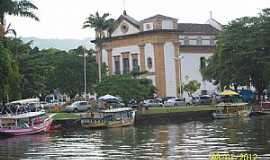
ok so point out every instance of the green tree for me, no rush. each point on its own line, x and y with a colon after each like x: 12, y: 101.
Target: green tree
x: 23, y: 8
x: 100, y: 24
x: 9, y: 76
x: 68, y: 74
x: 191, y: 87
x: 242, y: 53
x: 126, y: 87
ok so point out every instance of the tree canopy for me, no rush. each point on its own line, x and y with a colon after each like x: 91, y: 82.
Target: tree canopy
x: 242, y: 54
x: 191, y: 87
x: 126, y: 87
x: 27, y: 72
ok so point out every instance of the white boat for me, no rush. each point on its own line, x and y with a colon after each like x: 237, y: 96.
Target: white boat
x: 22, y: 117
x: 117, y: 117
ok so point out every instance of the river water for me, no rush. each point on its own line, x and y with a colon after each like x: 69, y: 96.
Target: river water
x: 196, y: 140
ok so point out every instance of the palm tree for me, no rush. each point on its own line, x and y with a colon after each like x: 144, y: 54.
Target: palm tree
x: 23, y: 8
x: 100, y: 24
x: 9, y: 30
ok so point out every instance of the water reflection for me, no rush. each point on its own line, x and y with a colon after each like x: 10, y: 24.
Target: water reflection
x: 188, y: 141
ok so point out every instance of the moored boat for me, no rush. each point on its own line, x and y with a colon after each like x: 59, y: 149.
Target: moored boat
x: 116, y: 117
x: 232, y: 106
x: 21, y: 119
x: 265, y: 107
x: 231, y: 110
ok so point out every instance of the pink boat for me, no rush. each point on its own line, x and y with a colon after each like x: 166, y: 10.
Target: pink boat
x: 18, y: 118
x: 26, y: 123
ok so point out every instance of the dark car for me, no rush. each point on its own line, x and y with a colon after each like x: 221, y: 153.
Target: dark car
x: 205, y: 99
x: 201, y: 100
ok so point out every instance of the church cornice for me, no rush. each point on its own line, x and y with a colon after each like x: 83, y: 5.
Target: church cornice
x: 140, y: 34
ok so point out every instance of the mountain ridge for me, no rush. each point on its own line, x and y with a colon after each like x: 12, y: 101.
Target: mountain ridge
x: 62, y: 44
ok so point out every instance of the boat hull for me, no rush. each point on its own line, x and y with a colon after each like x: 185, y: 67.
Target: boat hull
x: 113, y: 118
x: 231, y: 115
x: 44, y: 127
x: 112, y: 124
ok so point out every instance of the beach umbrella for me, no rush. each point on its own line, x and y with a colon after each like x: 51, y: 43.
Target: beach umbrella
x: 229, y: 93
x: 106, y: 97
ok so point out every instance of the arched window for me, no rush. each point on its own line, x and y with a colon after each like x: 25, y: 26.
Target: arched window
x: 149, y: 63
x: 202, y: 62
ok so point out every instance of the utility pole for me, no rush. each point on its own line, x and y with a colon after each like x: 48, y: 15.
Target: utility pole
x: 84, y: 66
x: 99, y: 64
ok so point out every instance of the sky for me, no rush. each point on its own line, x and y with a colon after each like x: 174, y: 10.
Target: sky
x: 64, y: 18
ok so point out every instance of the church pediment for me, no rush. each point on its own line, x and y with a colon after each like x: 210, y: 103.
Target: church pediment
x: 126, y: 25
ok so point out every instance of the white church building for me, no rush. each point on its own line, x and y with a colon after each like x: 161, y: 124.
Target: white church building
x: 169, y: 51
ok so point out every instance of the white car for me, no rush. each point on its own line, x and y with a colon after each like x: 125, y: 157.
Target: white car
x: 152, y: 103
x: 175, y: 102
x: 78, y: 106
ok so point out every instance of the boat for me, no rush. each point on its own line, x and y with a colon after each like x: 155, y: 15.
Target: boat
x: 108, y: 118
x: 262, y: 109
x: 23, y: 117
x: 265, y: 107
x: 231, y: 110
x: 232, y: 106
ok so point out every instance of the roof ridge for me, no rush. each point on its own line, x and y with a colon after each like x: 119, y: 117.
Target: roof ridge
x: 156, y: 15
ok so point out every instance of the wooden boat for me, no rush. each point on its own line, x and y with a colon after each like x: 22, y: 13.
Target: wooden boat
x: 231, y: 110
x: 18, y: 119
x: 117, y: 117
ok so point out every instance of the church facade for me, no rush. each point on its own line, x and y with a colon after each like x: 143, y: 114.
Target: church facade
x: 169, y: 51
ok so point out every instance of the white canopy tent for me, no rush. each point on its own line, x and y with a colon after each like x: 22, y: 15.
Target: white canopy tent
x: 106, y: 97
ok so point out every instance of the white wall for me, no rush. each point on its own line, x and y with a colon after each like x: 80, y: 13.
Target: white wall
x: 149, y: 52
x: 190, y: 63
x: 167, y: 24
x: 104, y: 56
x: 131, y: 49
x: 153, y: 78
x: 170, y: 72
x: 131, y: 29
x: 214, y: 24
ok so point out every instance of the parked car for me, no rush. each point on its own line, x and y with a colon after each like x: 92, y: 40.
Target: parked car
x: 114, y: 103
x: 77, y: 106
x: 133, y: 104
x: 152, y: 103
x: 175, y: 102
x: 164, y: 99
x: 202, y: 100
x: 205, y: 99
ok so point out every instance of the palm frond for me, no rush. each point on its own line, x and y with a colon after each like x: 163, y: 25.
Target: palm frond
x: 27, y: 5
x: 28, y: 14
x: 10, y: 30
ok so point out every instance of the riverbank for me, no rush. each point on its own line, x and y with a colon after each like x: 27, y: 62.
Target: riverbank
x: 154, y: 115
x: 174, y: 114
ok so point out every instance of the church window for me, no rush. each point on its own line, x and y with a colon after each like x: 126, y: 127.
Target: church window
x: 117, y: 64
x: 125, y: 65
x: 124, y: 28
x: 202, y: 62
x: 149, y: 62
x: 135, y: 64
